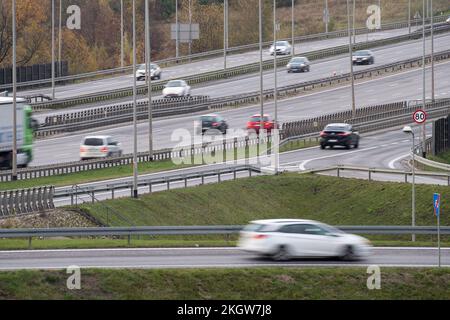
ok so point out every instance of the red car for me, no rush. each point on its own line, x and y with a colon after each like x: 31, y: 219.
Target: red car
x: 254, y: 124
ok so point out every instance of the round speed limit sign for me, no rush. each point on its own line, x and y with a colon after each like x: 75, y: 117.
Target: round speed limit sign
x: 420, y: 116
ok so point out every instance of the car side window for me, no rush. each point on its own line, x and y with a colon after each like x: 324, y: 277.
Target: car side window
x: 314, y: 230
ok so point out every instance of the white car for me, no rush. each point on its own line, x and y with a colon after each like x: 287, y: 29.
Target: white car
x: 283, y: 47
x: 155, y: 72
x: 448, y: 20
x: 286, y: 239
x: 176, y: 89
x: 95, y: 147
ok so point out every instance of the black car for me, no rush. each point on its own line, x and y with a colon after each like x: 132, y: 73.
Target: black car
x: 213, y: 123
x: 299, y: 64
x: 339, y: 134
x: 363, y: 57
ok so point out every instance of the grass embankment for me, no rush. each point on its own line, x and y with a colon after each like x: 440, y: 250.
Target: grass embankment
x: 127, y: 170
x: 442, y: 158
x: 244, y: 284
x: 328, y: 199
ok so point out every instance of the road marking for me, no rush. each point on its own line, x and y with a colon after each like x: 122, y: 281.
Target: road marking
x: 304, y: 163
x: 391, y: 164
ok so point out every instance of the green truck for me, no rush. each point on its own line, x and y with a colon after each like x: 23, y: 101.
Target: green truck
x: 25, y: 127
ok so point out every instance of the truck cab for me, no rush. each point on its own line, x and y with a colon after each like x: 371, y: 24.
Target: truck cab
x: 25, y: 126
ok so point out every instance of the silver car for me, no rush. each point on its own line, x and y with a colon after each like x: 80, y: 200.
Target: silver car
x: 284, y: 239
x: 155, y: 72
x: 176, y: 89
x: 94, y: 147
x: 282, y: 48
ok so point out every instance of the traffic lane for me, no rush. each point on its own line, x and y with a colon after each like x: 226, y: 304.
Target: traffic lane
x: 204, y: 257
x: 319, y: 70
x: 376, y: 150
x: 73, y: 90
x: 398, y: 87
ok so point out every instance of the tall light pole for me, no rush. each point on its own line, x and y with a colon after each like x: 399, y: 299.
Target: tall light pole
x: 275, y: 68
x: 351, y: 61
x: 432, y: 52
x: 408, y: 130
x: 424, y: 89
x: 225, y: 33
x: 53, y: 49
x: 122, y: 51
x: 293, y: 27
x: 190, y: 28
x: 60, y: 38
x: 327, y: 15
x: 261, y: 81
x: 135, y: 167
x: 409, y: 16
x: 177, y: 30
x: 148, y: 56
x: 14, y: 76
x: 354, y: 21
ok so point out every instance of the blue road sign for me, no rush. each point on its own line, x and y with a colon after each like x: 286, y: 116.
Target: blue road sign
x: 437, y: 204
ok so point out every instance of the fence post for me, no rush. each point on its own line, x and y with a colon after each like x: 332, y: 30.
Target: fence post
x: 29, y: 243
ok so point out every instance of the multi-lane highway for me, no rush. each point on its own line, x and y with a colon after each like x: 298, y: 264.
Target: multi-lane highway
x: 398, y: 87
x: 202, y: 66
x: 203, y: 258
x: 320, y: 69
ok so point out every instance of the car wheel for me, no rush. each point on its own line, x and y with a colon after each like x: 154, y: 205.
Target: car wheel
x: 322, y: 146
x: 348, y: 253
x: 356, y: 145
x: 348, y: 146
x: 281, y: 254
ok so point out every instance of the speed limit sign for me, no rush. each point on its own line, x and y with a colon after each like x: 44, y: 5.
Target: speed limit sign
x: 420, y: 116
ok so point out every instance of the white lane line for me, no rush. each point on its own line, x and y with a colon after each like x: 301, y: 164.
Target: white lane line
x: 392, y: 162
x: 185, y: 249
x: 233, y: 266
x: 304, y: 163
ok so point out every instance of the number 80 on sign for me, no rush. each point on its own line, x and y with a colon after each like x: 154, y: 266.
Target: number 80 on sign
x: 420, y: 116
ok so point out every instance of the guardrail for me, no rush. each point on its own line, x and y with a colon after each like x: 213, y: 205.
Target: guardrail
x: 186, y: 152
x: 368, y: 119
x: 75, y: 191
x: 196, y: 230
x: 203, y: 55
x: 121, y: 113
x: 225, y: 74
x: 17, y: 202
x: 372, y: 171
x: 125, y: 110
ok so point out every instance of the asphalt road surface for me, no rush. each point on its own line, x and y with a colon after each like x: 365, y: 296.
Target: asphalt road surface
x: 397, y: 87
x: 202, y: 66
x: 320, y: 69
x: 203, y: 258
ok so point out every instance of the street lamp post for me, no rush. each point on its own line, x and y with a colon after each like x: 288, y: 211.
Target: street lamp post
x: 275, y: 95
x: 432, y: 52
x: 177, y: 30
x: 351, y: 61
x: 53, y: 49
x: 225, y: 33
x: 60, y: 39
x: 14, y: 76
x: 293, y: 27
x: 135, y: 167
x: 409, y: 16
x: 149, y: 79
x: 408, y: 130
x: 261, y: 80
x: 423, y: 79
x: 122, y: 51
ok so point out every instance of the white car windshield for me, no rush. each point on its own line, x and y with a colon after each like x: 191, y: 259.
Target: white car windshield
x: 281, y: 44
x: 174, y: 84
